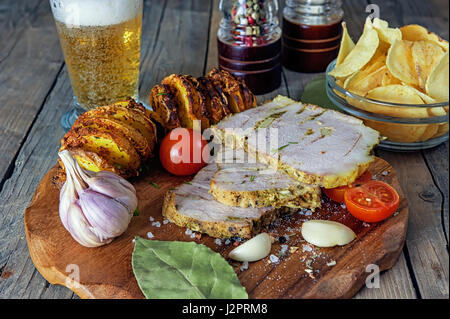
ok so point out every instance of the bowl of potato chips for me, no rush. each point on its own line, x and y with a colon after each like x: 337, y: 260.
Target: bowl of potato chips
x: 397, y: 81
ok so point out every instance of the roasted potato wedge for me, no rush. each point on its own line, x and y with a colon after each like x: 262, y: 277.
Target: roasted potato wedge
x: 112, y: 146
x: 112, y: 125
x: 187, y: 99
x: 226, y: 108
x: 215, y: 102
x: 131, y: 117
x: 249, y: 97
x: 231, y: 87
x: 163, y: 103
x: 93, y: 162
x: 200, y: 107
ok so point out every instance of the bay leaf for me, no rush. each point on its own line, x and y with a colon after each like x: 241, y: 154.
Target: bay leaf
x: 183, y: 270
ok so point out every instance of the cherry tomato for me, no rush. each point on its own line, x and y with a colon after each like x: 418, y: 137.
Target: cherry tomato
x: 372, y: 202
x: 337, y: 194
x: 184, y: 152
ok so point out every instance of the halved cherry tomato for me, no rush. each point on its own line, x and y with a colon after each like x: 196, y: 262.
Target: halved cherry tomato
x: 372, y: 202
x: 184, y: 152
x: 337, y: 194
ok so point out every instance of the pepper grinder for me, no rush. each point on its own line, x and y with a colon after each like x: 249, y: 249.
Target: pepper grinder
x: 312, y: 33
x: 249, y: 42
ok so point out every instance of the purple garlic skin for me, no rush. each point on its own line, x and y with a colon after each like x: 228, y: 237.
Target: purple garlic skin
x: 95, y: 207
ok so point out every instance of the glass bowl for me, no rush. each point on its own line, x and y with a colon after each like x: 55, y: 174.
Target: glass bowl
x: 404, y: 127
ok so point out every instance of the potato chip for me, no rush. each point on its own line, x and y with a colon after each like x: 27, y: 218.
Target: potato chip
x: 426, y: 99
x: 400, y: 133
x: 386, y: 34
x: 426, y: 55
x: 400, y: 94
x: 430, y: 131
x: 347, y: 45
x: 400, y: 62
x: 414, y: 32
x: 443, y: 129
x: 365, y: 80
x: 361, y: 54
x: 437, y: 85
x: 389, y: 79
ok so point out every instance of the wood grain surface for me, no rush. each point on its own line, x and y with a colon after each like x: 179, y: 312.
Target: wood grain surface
x: 106, y: 272
x: 35, y: 92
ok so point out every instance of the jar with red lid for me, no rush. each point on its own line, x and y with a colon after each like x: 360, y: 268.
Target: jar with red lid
x: 312, y: 33
x: 249, y: 42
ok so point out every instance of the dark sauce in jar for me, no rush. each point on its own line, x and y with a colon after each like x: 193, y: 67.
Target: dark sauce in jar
x: 312, y: 33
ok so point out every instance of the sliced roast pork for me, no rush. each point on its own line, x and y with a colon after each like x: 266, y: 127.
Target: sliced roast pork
x: 244, y: 182
x: 191, y: 205
x: 311, y: 144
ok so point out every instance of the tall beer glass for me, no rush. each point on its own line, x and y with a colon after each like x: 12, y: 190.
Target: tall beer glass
x: 101, y: 42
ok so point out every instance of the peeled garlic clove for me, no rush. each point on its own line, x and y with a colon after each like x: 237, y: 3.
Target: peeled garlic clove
x: 254, y: 249
x: 325, y: 233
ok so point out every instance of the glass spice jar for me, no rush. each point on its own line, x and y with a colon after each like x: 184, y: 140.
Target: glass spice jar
x: 249, y: 42
x: 312, y: 33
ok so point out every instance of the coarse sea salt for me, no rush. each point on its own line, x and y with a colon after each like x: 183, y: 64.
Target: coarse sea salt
x: 227, y: 242
x: 218, y: 242
x: 306, y: 248
x: 274, y: 259
x: 150, y: 235
x: 165, y: 221
x: 156, y: 224
x: 188, y: 232
x: 151, y: 218
x: 244, y: 266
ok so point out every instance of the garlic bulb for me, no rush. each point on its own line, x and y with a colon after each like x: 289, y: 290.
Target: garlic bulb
x: 94, y: 207
x: 254, y: 249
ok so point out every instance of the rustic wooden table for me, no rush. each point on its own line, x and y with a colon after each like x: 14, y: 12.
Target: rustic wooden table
x: 179, y: 37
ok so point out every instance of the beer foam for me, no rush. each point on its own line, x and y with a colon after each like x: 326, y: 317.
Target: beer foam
x: 78, y: 13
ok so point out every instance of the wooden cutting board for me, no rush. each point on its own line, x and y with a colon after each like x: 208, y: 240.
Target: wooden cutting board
x: 106, y: 272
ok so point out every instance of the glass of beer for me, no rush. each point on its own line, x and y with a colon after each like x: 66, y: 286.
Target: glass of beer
x: 101, y: 41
